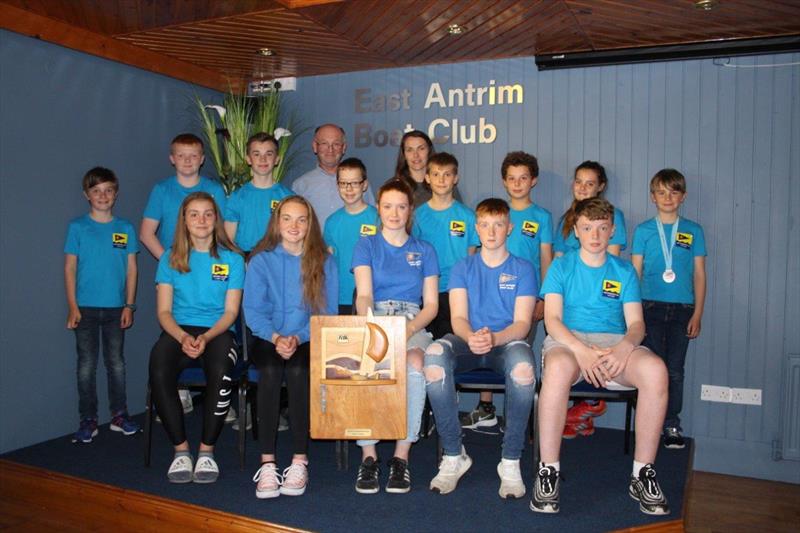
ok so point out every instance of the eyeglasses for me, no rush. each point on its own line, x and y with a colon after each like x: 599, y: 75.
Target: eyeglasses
x: 348, y: 185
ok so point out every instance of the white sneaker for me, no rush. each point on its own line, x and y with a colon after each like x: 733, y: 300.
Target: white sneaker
x: 451, y: 469
x: 295, y: 479
x: 206, y: 470
x: 186, y: 400
x: 511, y: 484
x: 180, y: 471
x: 231, y: 417
x: 268, y: 481
x: 248, y: 426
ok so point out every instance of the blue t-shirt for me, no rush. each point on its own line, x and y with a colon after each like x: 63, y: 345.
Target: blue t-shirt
x: 492, y: 292
x: 342, y: 232
x: 251, y: 208
x: 451, y: 231
x: 102, y: 250
x: 533, y: 226
x: 689, y: 243
x: 398, y: 272
x: 165, y: 202
x: 571, y: 242
x: 198, y: 297
x: 593, y: 297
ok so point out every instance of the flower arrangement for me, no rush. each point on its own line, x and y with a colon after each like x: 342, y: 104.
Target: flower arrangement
x: 239, y: 117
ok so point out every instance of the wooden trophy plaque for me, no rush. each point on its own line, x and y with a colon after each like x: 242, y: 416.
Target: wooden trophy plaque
x: 358, y: 377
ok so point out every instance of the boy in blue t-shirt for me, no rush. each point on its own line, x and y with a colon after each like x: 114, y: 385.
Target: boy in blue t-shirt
x: 249, y: 208
x: 348, y: 224
x: 669, y: 256
x: 448, y: 225
x: 492, y: 296
x: 593, y: 314
x: 100, y: 279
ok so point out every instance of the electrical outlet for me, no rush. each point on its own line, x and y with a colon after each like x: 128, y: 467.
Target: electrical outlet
x: 746, y: 396
x: 713, y: 393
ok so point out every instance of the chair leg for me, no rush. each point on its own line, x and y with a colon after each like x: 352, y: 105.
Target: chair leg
x: 148, y: 425
x: 242, y: 422
x: 342, y: 451
x: 254, y: 409
x: 535, y: 431
x: 628, y: 412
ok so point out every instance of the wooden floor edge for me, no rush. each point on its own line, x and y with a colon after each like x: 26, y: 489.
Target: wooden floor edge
x: 92, y: 504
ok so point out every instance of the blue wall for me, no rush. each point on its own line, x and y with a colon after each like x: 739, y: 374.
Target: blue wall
x: 735, y: 134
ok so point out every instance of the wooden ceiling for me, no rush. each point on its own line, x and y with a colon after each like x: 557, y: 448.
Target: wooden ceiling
x: 209, y: 42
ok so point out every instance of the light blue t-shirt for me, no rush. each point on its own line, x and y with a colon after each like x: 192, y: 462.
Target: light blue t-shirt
x: 165, y: 202
x: 492, y: 292
x: 398, y: 272
x: 451, y: 231
x: 251, y: 208
x: 198, y: 297
x: 533, y: 226
x: 102, y: 250
x: 342, y: 232
x: 571, y: 242
x: 593, y: 297
x: 689, y: 243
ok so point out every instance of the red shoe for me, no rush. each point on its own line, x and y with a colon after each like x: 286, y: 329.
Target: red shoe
x: 586, y: 410
x: 582, y: 427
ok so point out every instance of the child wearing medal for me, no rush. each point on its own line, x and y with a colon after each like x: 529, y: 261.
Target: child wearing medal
x: 669, y: 257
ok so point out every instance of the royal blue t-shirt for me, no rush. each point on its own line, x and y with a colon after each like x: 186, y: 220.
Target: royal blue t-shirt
x: 251, y: 208
x: 398, y: 272
x: 593, y: 297
x: 165, y: 201
x: 102, y: 250
x: 533, y: 226
x: 571, y: 242
x: 492, y: 291
x: 198, y: 296
x: 451, y: 231
x: 342, y: 232
x: 689, y: 243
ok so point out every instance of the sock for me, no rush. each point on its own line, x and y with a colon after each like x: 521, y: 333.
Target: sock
x: 183, y: 453
x: 637, y: 467
x: 210, y: 455
x: 556, y: 465
x: 592, y: 402
x: 300, y: 461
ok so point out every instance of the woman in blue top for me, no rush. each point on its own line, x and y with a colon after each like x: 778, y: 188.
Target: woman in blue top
x: 397, y: 274
x: 199, y: 289
x: 289, y: 278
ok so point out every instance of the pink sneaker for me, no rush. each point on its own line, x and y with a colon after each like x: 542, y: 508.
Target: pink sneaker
x: 295, y: 479
x: 268, y: 481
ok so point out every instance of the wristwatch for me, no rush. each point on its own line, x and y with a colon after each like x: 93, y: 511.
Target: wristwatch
x: 132, y: 307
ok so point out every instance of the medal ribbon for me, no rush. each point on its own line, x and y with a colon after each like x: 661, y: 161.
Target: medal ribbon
x: 667, y: 252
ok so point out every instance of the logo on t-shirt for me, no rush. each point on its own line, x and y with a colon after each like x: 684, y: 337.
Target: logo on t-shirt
x: 507, y: 282
x: 530, y: 228
x: 219, y: 272
x: 368, y: 229
x: 684, y: 240
x: 273, y: 204
x: 414, y: 259
x: 457, y: 228
x: 612, y: 289
x: 119, y: 240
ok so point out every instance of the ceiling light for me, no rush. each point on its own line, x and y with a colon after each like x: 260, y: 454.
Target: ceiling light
x: 705, y: 5
x: 455, y: 29
x: 266, y: 52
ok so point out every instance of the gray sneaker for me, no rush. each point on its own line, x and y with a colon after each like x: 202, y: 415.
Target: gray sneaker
x: 482, y: 416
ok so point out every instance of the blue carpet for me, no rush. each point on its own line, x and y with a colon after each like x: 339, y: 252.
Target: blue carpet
x: 593, y: 496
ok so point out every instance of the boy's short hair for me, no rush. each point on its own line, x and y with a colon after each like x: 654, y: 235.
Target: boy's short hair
x: 594, y: 209
x: 98, y: 175
x: 261, y: 137
x: 442, y: 159
x: 352, y: 163
x: 187, y: 139
x: 492, y: 206
x: 669, y: 178
x: 520, y: 158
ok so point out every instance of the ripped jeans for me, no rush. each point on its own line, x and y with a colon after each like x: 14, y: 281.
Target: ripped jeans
x: 452, y: 354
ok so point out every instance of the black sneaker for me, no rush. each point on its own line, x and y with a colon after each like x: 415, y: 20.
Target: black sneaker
x: 482, y: 416
x: 646, y: 491
x: 673, y: 439
x: 545, y: 490
x: 399, y: 476
x: 367, y: 480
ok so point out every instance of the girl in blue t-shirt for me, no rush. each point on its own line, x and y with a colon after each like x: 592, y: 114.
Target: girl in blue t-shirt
x: 199, y: 289
x: 290, y: 277
x: 397, y: 274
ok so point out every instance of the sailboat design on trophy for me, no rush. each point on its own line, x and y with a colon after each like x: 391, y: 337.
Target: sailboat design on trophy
x: 357, y: 354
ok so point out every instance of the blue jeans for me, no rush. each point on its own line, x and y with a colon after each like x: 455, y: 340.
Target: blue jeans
x: 666, y: 325
x: 94, y: 321
x: 456, y: 357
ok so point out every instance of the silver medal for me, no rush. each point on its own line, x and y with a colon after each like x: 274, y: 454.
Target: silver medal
x: 668, y: 276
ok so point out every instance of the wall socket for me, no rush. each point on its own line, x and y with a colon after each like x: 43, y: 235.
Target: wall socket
x: 746, y: 396
x: 714, y: 393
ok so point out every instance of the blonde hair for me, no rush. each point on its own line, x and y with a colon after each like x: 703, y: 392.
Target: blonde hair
x: 182, y: 243
x: 312, y: 263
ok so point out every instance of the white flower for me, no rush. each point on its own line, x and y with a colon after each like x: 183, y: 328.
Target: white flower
x: 281, y: 132
x: 219, y: 109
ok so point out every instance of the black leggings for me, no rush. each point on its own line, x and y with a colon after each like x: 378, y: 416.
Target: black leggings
x: 167, y: 360
x: 271, y: 368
